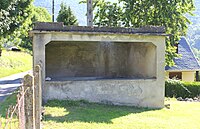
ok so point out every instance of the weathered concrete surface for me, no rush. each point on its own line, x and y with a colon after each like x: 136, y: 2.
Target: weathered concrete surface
x: 144, y: 58
x: 59, y: 26
x: 141, y: 93
x: 65, y: 60
x: 29, y: 102
x: 37, y: 96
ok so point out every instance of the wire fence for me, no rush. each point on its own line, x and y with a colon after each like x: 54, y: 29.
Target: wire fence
x: 26, y: 113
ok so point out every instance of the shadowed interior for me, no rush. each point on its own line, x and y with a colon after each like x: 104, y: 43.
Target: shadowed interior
x: 100, y: 60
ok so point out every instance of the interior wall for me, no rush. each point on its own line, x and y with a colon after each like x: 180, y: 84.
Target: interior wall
x: 65, y: 60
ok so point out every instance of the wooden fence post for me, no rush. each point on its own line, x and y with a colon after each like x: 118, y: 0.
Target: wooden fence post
x: 38, y: 95
x: 21, y: 113
x: 29, y: 102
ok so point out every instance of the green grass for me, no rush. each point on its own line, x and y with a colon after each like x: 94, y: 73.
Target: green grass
x: 83, y: 115
x: 10, y: 100
x: 14, y: 62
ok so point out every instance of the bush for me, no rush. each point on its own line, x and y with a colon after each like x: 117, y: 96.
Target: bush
x: 175, y: 88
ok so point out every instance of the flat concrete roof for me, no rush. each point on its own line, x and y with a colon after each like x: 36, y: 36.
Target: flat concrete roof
x: 41, y: 27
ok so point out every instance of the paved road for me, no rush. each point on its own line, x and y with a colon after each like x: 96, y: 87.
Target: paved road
x: 9, y: 84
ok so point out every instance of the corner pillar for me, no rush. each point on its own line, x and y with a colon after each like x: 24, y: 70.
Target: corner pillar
x: 39, y: 42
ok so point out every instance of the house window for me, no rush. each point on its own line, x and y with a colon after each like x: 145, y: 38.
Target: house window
x: 175, y: 75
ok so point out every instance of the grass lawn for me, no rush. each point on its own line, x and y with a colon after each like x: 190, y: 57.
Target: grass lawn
x: 10, y: 100
x: 84, y: 115
x: 14, y: 62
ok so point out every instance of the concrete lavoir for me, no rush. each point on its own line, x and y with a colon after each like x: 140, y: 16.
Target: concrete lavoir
x: 121, y: 66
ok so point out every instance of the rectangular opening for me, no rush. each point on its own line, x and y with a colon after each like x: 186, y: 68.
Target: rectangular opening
x: 100, y: 60
x: 175, y: 75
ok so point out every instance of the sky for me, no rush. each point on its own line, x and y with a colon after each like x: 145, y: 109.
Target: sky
x: 79, y: 10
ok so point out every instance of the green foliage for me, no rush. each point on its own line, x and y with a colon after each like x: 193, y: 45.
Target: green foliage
x: 138, y: 13
x: 13, y: 14
x: 10, y: 100
x: 175, y: 88
x: 20, y: 37
x: 66, y: 15
x: 107, y: 14
x: 168, y: 13
x: 41, y: 14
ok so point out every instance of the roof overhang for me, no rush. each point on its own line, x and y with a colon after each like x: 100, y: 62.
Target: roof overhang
x: 54, y: 27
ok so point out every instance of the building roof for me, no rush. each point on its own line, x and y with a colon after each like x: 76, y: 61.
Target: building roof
x: 60, y: 27
x: 187, y: 61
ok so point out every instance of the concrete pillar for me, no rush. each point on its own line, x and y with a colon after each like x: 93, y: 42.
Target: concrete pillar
x: 160, y: 68
x: 38, y: 96
x: 29, y: 102
x: 39, y: 42
x: 21, y: 112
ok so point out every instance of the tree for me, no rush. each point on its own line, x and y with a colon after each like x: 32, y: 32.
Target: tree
x: 167, y: 13
x: 66, y: 15
x: 108, y: 14
x: 39, y: 14
x: 13, y: 13
x: 138, y: 13
x: 20, y: 36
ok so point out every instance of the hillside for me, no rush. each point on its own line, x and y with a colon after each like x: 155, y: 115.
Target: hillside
x: 193, y: 35
x: 14, y: 62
